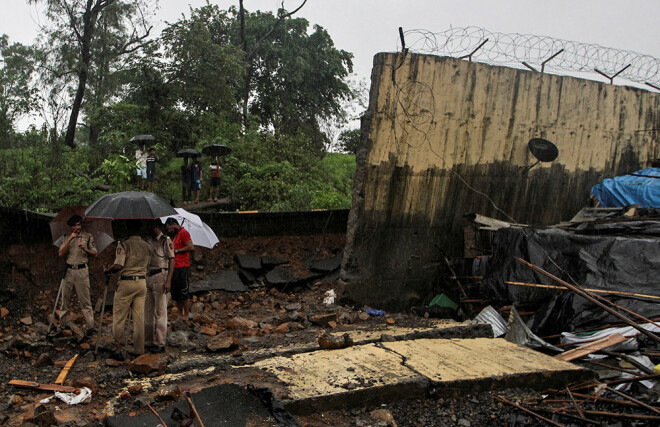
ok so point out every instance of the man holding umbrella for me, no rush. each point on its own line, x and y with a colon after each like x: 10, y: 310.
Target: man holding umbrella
x: 78, y: 247
x: 131, y: 261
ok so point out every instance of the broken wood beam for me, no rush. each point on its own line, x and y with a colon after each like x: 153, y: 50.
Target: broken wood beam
x: 43, y: 387
x: 575, y: 404
x: 529, y: 411
x: 578, y: 290
x: 632, y: 399
x: 65, y: 371
x: 592, y: 290
x: 617, y: 415
x: 162, y: 422
x: 592, y: 347
x: 193, y: 410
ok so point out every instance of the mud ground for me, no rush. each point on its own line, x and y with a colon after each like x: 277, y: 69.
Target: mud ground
x: 29, y: 279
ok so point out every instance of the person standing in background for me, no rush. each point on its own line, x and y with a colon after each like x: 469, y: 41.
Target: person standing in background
x: 214, y: 169
x: 186, y: 180
x: 141, y: 166
x: 151, y: 160
x: 197, y: 176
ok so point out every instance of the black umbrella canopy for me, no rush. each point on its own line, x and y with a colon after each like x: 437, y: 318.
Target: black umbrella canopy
x: 216, y: 150
x: 130, y: 205
x: 142, y: 138
x: 188, y: 152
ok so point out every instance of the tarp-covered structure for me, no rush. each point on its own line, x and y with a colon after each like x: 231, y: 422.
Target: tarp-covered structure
x: 639, y: 188
x: 629, y: 263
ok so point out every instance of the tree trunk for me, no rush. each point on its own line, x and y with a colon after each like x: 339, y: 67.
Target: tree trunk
x: 75, y: 108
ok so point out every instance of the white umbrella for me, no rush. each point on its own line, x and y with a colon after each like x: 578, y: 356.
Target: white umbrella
x: 200, y: 233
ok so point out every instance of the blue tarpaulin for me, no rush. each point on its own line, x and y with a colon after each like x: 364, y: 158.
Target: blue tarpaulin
x: 639, y: 188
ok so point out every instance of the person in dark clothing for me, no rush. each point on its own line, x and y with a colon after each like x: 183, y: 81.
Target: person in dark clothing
x: 152, y: 158
x: 197, y: 176
x: 186, y: 180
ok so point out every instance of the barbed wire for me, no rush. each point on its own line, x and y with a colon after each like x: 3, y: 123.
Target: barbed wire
x: 539, y: 53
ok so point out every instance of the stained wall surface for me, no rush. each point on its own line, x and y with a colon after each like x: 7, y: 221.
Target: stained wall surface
x: 443, y: 137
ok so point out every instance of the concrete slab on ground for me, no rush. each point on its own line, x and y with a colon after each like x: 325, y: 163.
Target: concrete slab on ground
x: 386, y: 372
x: 225, y: 280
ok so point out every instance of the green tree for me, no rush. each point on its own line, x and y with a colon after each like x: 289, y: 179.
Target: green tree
x: 262, y: 69
x: 17, y: 95
x: 349, y: 141
x: 87, y: 39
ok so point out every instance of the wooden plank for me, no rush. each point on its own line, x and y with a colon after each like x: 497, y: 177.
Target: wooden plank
x: 65, y: 371
x: 592, y: 347
x: 44, y: 387
x: 592, y: 290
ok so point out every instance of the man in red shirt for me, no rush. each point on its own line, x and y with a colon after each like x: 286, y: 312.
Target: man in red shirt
x: 183, y: 245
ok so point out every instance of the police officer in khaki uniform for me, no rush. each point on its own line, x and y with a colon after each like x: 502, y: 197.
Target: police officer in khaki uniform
x: 78, y: 246
x: 131, y: 260
x: 159, y: 279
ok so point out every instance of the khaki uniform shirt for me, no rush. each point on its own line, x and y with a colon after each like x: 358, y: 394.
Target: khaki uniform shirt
x: 75, y: 254
x: 134, y: 255
x: 163, y: 251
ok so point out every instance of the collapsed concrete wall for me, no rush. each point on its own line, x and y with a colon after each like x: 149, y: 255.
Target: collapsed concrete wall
x: 443, y: 137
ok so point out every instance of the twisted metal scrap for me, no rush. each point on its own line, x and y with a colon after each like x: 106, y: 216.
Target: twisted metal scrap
x: 514, y: 49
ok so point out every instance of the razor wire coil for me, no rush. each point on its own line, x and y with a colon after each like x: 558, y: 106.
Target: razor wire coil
x: 516, y: 50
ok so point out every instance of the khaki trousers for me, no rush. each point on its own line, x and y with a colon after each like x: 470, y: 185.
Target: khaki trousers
x: 129, y: 296
x: 78, y: 279
x: 155, y: 310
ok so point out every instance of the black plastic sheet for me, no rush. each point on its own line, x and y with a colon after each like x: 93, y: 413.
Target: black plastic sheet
x: 605, y: 262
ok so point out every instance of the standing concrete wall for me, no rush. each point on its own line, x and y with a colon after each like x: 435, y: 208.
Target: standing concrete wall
x: 443, y: 137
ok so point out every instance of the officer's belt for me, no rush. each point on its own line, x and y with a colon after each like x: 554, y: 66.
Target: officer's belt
x: 156, y: 271
x: 76, y: 266
x: 131, y: 277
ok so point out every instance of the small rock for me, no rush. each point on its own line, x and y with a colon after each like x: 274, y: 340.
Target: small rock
x: 293, y: 306
x: 387, y: 338
x: 112, y: 363
x: 329, y: 342
x: 197, y: 308
x: 206, y: 330
x: 332, y: 324
x: 148, y: 363
x: 323, y: 319
x: 44, y: 360
x: 87, y: 382
x: 27, y: 320
x: 464, y: 423
x: 15, y: 400
x: 124, y: 395
x: 172, y: 392
x: 221, y: 343
x: 102, y: 417
x: 134, y: 389
x: 241, y: 323
x: 390, y: 321
x: 202, y: 319
x: 85, y: 346
x: 40, y: 416
x: 383, y: 415
x: 363, y: 316
x: 3, y: 312
x: 282, y: 329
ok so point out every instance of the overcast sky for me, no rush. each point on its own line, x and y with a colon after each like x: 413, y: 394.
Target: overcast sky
x: 366, y: 27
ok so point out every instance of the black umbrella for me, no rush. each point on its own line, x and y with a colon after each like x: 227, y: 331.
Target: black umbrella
x: 216, y: 150
x: 130, y: 205
x: 188, y: 152
x: 142, y: 138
